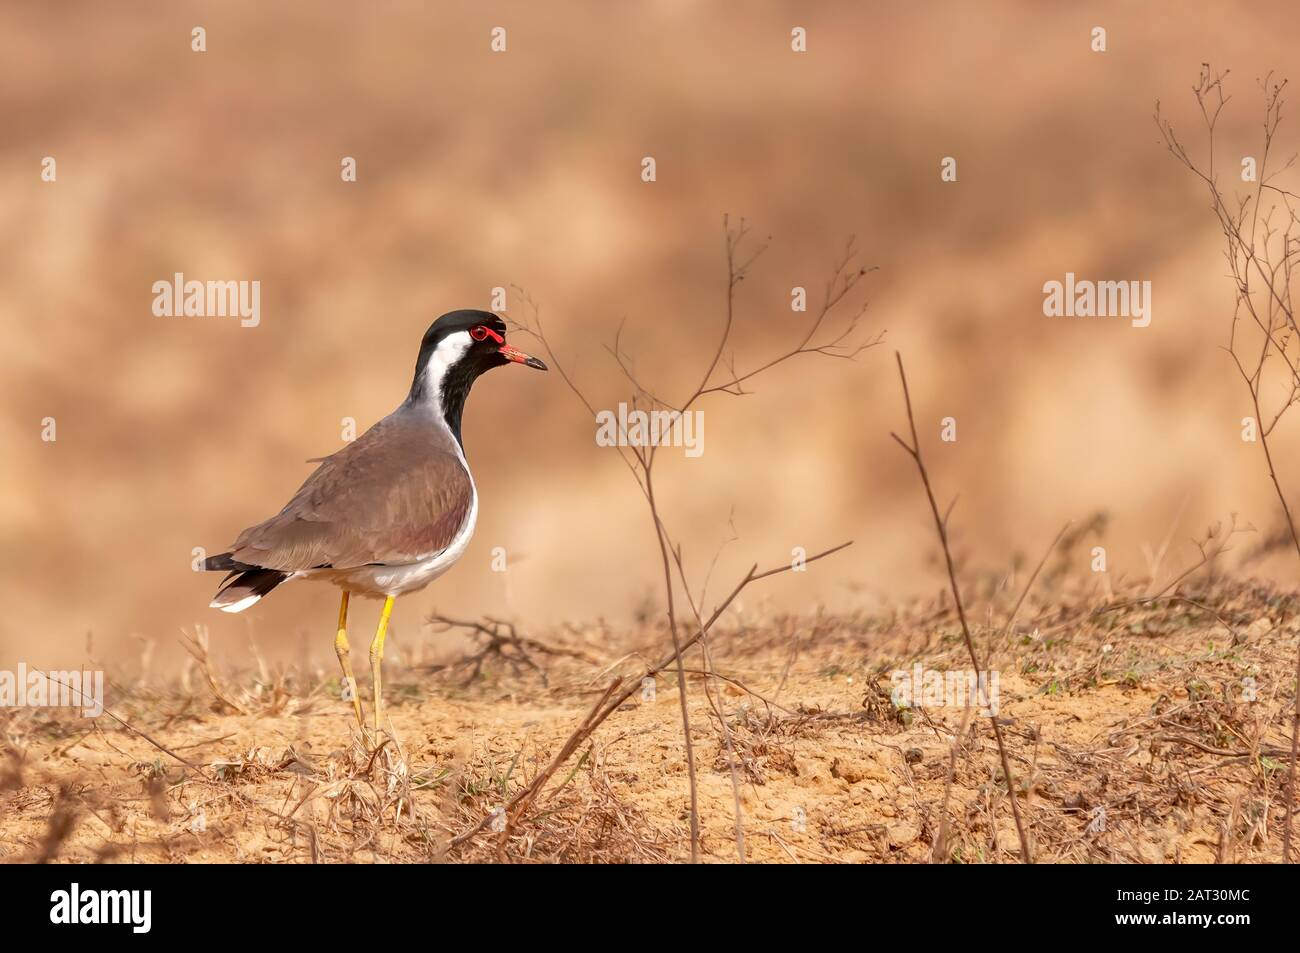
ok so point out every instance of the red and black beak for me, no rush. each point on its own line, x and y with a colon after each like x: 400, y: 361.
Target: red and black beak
x: 517, y: 356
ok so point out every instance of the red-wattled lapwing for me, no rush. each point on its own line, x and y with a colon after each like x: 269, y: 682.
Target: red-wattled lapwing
x: 392, y: 510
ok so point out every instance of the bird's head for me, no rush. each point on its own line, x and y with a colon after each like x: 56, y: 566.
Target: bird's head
x: 456, y: 349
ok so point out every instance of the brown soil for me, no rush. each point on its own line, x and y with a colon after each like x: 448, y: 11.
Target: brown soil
x: 1148, y: 713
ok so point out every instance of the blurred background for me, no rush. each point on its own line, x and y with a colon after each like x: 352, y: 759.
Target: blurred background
x: 478, y: 169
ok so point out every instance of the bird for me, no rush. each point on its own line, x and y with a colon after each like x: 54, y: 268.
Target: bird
x: 391, y: 511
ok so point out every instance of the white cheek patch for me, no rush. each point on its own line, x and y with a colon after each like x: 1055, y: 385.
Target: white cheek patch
x: 449, y: 350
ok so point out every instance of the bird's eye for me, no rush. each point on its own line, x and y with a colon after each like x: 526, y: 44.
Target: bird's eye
x: 479, y: 333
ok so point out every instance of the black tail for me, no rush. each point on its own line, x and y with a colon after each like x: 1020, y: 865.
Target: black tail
x: 244, y: 585
x: 226, y: 563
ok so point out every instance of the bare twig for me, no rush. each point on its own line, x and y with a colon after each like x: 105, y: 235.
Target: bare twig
x: 197, y: 646
x: 500, y: 635
x: 940, y: 523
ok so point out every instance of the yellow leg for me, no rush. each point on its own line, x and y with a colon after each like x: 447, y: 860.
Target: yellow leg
x: 341, y: 648
x: 377, y: 660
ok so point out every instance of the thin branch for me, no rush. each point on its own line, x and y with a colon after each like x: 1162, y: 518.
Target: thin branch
x: 914, y: 451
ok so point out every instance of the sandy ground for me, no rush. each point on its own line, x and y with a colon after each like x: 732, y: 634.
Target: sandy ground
x: 1148, y: 737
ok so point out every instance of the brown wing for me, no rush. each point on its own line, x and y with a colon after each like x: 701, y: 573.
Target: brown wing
x: 397, y: 494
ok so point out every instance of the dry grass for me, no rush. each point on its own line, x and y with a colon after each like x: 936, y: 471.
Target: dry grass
x: 1142, y: 708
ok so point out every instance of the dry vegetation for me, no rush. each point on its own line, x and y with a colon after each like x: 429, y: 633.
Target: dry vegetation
x: 1261, y: 234
x: 1171, y: 713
